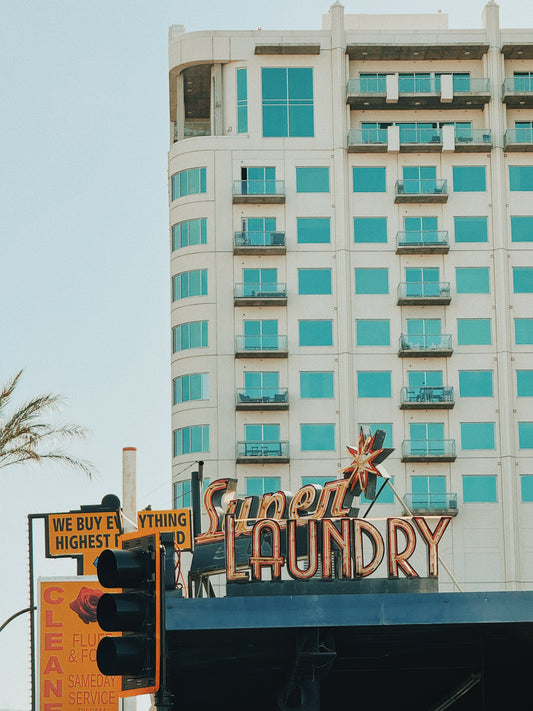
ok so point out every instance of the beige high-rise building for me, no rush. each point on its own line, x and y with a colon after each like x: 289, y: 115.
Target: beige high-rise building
x: 351, y: 215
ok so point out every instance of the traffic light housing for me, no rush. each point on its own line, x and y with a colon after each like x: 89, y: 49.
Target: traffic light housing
x: 136, y: 612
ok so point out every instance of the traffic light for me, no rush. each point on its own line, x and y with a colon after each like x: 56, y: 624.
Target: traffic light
x: 136, y: 612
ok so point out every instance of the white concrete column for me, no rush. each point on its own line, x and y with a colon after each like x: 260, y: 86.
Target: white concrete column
x: 392, y: 81
x: 448, y: 139
x: 393, y: 139
x: 180, y: 108
x: 217, y: 101
x: 446, y: 88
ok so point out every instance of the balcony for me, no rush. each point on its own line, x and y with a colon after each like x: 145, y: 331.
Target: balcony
x: 263, y: 294
x: 261, y: 347
x: 420, y: 140
x: 517, y: 92
x: 472, y: 140
x: 432, y: 504
x: 433, y: 293
x: 262, y: 452
x: 422, y: 242
x: 421, y: 190
x: 421, y: 346
x: 259, y: 243
x: 193, y: 127
x: 426, y: 397
x: 258, y: 192
x: 262, y: 399
x: 368, y: 140
x: 428, y: 450
x: 518, y: 139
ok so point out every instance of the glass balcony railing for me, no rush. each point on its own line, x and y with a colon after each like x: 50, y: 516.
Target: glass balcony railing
x: 471, y: 85
x: 197, y: 127
x: 437, y: 342
x: 427, y: 394
x: 518, y: 135
x: 367, y: 137
x: 428, y: 448
x: 262, y: 449
x: 259, y: 187
x: 518, y: 85
x: 422, y: 238
x: 474, y: 136
x: 263, y: 290
x: 424, y: 290
x: 262, y: 395
x: 421, y: 186
x: 259, y: 239
x: 261, y: 343
x: 432, y: 502
x: 377, y: 85
x: 417, y: 136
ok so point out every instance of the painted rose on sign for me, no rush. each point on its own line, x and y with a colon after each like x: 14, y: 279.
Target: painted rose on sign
x: 85, y: 604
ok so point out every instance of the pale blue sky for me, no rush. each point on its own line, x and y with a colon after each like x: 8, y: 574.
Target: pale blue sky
x: 84, y: 283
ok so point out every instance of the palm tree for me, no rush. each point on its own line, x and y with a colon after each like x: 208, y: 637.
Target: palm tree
x: 25, y: 438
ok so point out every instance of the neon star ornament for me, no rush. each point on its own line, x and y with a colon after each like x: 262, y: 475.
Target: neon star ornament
x: 363, y: 458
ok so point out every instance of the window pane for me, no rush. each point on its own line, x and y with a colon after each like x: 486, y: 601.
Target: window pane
x: 312, y: 180
x: 316, y: 333
x: 373, y: 383
x: 473, y: 280
x: 275, y: 121
x: 242, y: 101
x: 301, y: 121
x: 316, y: 384
x: 523, y: 331
x: 525, y: 435
x: 524, y: 383
x: 523, y: 280
x: 313, y: 230
x: 370, y: 229
x: 477, y: 435
x: 470, y: 178
x: 318, y: 437
x: 371, y: 281
x: 479, y: 489
x: 373, y: 333
x: 475, y: 383
x: 526, y: 486
x: 473, y: 331
x: 521, y: 177
x: 314, y: 281
x: 369, y: 180
x: 259, y: 485
x: 385, y: 426
x: 522, y: 228
x: 315, y: 480
x: 470, y: 229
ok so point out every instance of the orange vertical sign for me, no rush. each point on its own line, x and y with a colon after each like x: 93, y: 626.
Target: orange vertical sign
x: 69, y: 636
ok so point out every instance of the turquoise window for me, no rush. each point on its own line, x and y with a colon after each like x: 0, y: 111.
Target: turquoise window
x: 475, y: 383
x: 385, y: 426
x: 479, y: 489
x: 421, y: 179
x: 371, y: 281
x: 259, y: 485
x: 428, y: 492
x: 524, y: 383
x: 425, y: 378
x: 369, y: 180
x: 313, y: 230
x: 188, y: 182
x: 312, y: 180
x: 386, y: 495
x: 526, y: 487
x: 523, y: 331
x: 260, y: 281
x: 316, y: 333
x: 374, y: 383
x: 189, y: 335
x: 191, y: 439
x: 371, y: 230
x: 472, y: 280
x: 424, y: 332
x: 314, y: 281
x: 373, y: 332
x: 261, y: 335
x: 525, y: 435
x: 242, y: 101
x: 287, y: 101
x: 315, y: 480
x: 190, y: 232
x: 261, y: 433
x: 473, y: 332
x: 522, y: 228
x: 316, y: 384
x: 425, y: 432
x: 182, y: 494
x: 319, y: 437
x: 470, y: 229
x: 190, y: 387
x: 422, y: 281
x: 469, y: 178
x: 477, y: 435
x: 521, y: 177
x: 523, y: 280
x: 192, y: 283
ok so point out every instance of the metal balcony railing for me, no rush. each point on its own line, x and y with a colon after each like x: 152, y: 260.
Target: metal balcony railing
x: 261, y: 343
x: 259, y: 239
x: 367, y: 137
x: 263, y: 290
x: 432, y: 502
x: 428, y: 448
x: 262, y: 395
x: 421, y: 186
x: 259, y: 187
x: 420, y: 342
x: 424, y: 290
x: 262, y: 449
x: 422, y: 238
x: 518, y: 135
x: 427, y: 394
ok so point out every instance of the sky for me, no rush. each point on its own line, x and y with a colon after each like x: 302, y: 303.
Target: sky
x: 84, y: 245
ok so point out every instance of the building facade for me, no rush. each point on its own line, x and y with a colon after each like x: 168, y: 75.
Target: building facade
x: 351, y: 224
